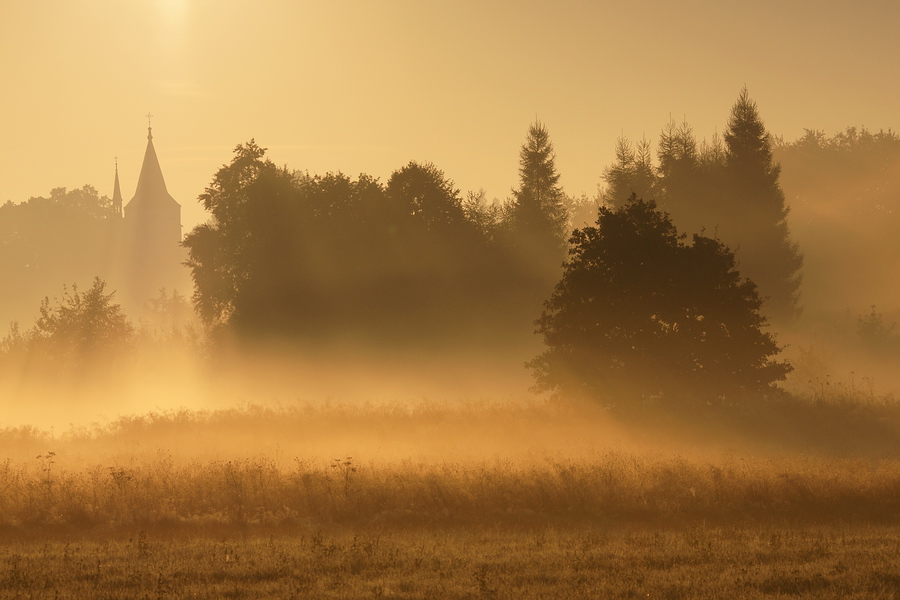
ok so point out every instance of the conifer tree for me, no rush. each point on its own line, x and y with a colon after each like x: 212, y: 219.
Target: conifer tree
x: 632, y: 173
x: 679, y: 176
x: 538, y: 215
x: 755, y: 217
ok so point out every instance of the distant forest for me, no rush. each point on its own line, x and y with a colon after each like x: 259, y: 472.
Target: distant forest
x: 308, y: 258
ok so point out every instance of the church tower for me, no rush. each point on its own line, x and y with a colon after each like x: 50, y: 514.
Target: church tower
x: 152, y: 235
x: 117, y: 193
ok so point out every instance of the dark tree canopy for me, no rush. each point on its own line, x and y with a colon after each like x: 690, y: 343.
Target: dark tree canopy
x: 691, y: 182
x: 243, y: 199
x: 639, y: 313
x: 678, y: 160
x: 423, y: 192
x: 729, y: 189
x: 304, y: 256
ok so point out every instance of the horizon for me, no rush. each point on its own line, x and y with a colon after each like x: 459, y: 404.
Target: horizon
x: 362, y: 89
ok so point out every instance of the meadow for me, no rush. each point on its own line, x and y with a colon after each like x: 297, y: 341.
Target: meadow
x: 761, y: 561
x: 525, y: 499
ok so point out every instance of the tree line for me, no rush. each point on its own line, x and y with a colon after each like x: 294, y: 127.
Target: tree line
x: 289, y: 254
x: 727, y: 189
x: 47, y: 241
x: 667, y: 293
x: 638, y: 310
x: 844, y: 192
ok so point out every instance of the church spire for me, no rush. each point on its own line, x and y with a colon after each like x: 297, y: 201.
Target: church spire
x: 153, y: 256
x: 151, y: 187
x: 117, y: 193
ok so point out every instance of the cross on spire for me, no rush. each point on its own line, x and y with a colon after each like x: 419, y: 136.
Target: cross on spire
x: 149, y: 116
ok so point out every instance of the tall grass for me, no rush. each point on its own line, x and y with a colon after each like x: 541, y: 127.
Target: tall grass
x: 603, y: 489
x: 522, y: 500
x: 424, y: 465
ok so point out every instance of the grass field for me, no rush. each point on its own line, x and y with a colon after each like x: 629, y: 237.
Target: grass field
x: 430, y: 500
x: 573, y: 562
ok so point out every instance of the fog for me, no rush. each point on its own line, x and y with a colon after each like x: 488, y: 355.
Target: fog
x: 395, y: 406
x: 416, y: 299
x: 408, y: 318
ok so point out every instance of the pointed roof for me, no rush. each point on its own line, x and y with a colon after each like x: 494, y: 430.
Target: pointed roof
x: 117, y: 192
x: 151, y: 188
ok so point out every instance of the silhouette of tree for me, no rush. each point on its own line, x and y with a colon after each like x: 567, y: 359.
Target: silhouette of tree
x: 538, y: 214
x: 436, y: 224
x: 306, y: 257
x: 638, y: 313
x: 712, y: 154
x: 486, y: 217
x: 732, y: 190
x: 79, y: 331
x: 631, y: 173
x: 683, y: 191
x: 242, y: 259
x: 582, y: 210
x: 66, y: 236
x: 757, y: 212
x: 424, y: 192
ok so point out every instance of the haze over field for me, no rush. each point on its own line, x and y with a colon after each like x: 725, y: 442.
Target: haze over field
x: 407, y: 299
x: 365, y: 88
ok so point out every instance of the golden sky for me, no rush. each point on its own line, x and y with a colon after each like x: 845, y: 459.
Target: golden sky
x: 366, y: 86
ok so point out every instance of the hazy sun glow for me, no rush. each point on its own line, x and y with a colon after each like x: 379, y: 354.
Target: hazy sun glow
x: 366, y: 87
x: 397, y: 358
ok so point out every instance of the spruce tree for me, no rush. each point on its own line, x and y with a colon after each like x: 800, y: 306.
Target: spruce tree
x: 538, y: 215
x: 679, y: 177
x: 755, y: 216
x: 632, y: 173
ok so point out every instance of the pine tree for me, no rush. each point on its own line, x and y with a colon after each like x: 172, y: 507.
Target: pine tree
x: 712, y: 153
x: 618, y: 175
x: 632, y: 173
x: 538, y: 215
x: 756, y: 212
x: 679, y: 180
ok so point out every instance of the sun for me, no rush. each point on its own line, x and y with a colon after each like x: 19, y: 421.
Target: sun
x: 174, y: 10
x: 173, y: 18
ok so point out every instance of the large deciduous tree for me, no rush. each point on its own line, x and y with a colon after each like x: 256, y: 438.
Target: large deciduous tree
x: 231, y: 256
x: 424, y: 193
x: 639, y: 313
